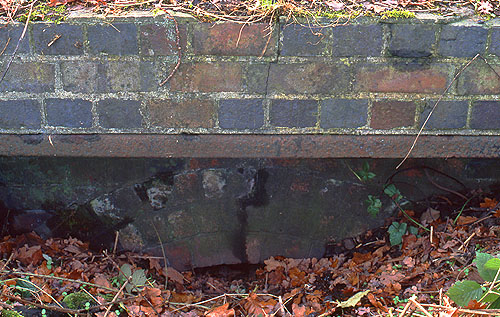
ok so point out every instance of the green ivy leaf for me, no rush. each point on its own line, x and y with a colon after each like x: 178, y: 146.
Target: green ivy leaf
x: 393, y: 192
x: 465, y: 291
x: 374, y: 205
x: 396, y: 232
x: 480, y: 261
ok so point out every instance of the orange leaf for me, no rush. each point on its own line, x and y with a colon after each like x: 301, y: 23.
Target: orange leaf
x: 465, y: 220
x: 488, y: 203
x: 221, y: 311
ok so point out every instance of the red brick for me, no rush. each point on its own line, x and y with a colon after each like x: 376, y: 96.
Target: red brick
x: 479, y: 78
x: 160, y: 40
x: 390, y: 114
x: 405, y: 79
x: 208, y: 77
x: 192, y: 113
x: 233, y: 39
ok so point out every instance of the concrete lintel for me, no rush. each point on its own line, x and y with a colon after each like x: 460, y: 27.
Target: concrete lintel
x: 249, y: 146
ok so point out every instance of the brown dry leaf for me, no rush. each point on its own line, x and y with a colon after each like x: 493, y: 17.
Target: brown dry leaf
x: 100, y: 279
x: 409, y: 262
x: 175, y: 275
x: 254, y: 306
x: 359, y: 258
x: 30, y: 255
x: 488, y: 203
x: 298, y: 278
x: 466, y: 220
x: 299, y: 310
x: 429, y: 216
x: 183, y: 298
x: 154, y: 296
x: 335, y: 5
x: 272, y: 264
x: 221, y: 311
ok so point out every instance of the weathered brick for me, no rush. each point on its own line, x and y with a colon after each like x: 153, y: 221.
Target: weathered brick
x: 31, y: 77
x: 79, y: 76
x: 208, y: 77
x: 127, y: 76
x: 294, y: 113
x: 357, y: 40
x: 233, y: 39
x: 71, y: 113
x: 157, y: 40
x: 241, y: 114
x: 403, y: 78
x: 119, y: 39
x: 119, y: 113
x: 485, y: 115
x: 189, y: 113
x: 58, y: 39
x: 343, y: 113
x: 308, y: 78
x: 388, y: 114
x: 20, y: 114
x: 447, y: 115
x: 411, y: 40
x: 479, y: 78
x: 494, y: 43
x: 9, y: 36
x: 301, y: 40
x: 462, y: 41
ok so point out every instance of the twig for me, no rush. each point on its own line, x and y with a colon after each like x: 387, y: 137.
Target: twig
x: 5, y: 47
x: 165, y: 260
x: 61, y: 279
x: 18, y: 42
x: 116, y: 296
x: 422, y: 309
x: 179, y: 49
x: 467, y: 241
x: 117, y: 234
x: 433, y: 108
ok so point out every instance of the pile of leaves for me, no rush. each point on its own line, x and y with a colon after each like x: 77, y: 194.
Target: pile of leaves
x: 247, y: 11
x: 393, y: 270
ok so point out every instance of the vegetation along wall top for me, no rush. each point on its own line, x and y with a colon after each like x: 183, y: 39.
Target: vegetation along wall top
x: 140, y: 86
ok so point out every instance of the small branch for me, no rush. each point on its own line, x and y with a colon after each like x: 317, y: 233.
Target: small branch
x: 18, y: 42
x: 179, y: 49
x: 434, y: 108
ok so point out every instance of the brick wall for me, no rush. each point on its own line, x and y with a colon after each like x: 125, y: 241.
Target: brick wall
x: 370, y: 77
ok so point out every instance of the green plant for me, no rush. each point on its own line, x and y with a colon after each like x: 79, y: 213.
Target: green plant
x: 79, y: 300
x: 136, y: 279
x: 10, y: 313
x: 398, y: 230
x: 374, y: 205
x: 49, y: 261
x: 44, y: 12
x: 488, y: 268
x: 398, y: 14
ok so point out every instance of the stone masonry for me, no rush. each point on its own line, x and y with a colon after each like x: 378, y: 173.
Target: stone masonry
x: 368, y: 77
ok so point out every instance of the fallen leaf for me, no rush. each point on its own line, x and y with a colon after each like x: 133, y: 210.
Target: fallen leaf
x: 175, y: 275
x: 466, y: 220
x: 335, y: 5
x: 221, y: 311
x: 353, y: 300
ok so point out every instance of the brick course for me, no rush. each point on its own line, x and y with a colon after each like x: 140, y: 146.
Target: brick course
x: 389, y: 114
x: 58, y: 39
x: 118, y: 39
x: 403, y: 78
x: 192, y: 113
x: 294, y: 113
x: 18, y: 114
x: 241, y: 114
x: 363, y: 77
x: 234, y: 39
x: 462, y: 41
x: 447, y: 114
x: 69, y: 113
x: 343, y: 113
x: 116, y: 113
x: 485, y: 115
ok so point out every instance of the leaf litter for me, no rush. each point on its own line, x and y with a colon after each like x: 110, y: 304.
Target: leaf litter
x: 373, y: 278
